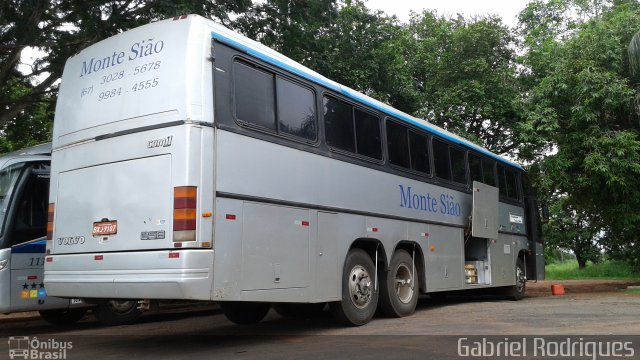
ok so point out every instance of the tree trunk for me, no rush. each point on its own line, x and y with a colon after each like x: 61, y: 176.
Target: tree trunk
x: 582, y: 262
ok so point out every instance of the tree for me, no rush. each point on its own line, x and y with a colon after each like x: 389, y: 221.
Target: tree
x: 583, y: 88
x: 573, y: 230
x: 465, y: 73
x: 61, y: 28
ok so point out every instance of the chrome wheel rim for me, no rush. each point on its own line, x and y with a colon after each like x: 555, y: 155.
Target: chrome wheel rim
x: 404, y: 284
x: 520, y: 279
x: 360, y: 287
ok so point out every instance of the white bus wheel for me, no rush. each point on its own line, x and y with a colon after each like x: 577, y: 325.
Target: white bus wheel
x: 63, y: 317
x: 399, y: 286
x: 117, y: 312
x: 245, y: 312
x: 359, y: 295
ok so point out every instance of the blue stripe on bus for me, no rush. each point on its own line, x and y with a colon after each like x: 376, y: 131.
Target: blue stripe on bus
x: 32, y: 247
x: 352, y: 94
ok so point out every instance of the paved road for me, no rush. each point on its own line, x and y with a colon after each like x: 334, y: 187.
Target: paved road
x: 432, y: 332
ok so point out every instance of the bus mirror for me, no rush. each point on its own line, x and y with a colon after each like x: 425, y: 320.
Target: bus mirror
x: 545, y: 214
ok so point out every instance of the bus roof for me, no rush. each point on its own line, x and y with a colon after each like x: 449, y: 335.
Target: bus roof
x: 268, y: 55
x: 37, y: 150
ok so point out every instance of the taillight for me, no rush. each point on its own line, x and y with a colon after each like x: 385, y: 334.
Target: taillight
x: 52, y: 208
x: 184, y: 213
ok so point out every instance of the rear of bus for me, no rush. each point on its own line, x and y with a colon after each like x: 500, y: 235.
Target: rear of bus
x: 132, y: 172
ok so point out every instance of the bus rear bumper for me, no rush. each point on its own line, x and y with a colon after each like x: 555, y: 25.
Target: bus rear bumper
x: 163, y: 274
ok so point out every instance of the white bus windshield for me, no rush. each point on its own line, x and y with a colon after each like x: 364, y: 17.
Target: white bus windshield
x: 8, y: 179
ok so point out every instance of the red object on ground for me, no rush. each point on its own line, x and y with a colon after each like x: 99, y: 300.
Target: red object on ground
x: 557, y: 289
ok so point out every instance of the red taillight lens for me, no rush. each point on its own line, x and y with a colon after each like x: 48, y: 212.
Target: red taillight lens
x: 184, y: 213
x: 52, y: 208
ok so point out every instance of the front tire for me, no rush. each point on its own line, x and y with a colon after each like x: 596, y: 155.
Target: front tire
x: 117, y: 312
x: 517, y: 291
x: 359, y: 297
x: 244, y: 313
x: 399, y: 286
x: 63, y: 317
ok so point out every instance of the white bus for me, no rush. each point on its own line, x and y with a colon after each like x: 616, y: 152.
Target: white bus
x: 190, y: 162
x: 24, y: 194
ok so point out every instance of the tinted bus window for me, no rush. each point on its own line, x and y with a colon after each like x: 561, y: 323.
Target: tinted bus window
x: 419, y: 152
x: 296, y: 110
x: 339, y: 124
x: 512, y: 184
x: 489, y: 172
x: 458, y: 169
x: 475, y: 168
x: 351, y: 129
x: 441, y: 159
x: 398, y: 145
x: 368, y: 134
x: 254, y: 96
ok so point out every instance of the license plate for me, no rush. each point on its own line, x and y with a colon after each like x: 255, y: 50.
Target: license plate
x: 105, y: 228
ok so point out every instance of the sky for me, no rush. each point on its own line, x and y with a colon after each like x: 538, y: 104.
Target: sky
x: 507, y: 9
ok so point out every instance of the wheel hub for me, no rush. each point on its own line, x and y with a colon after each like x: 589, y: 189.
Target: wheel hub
x: 360, y: 288
x: 404, y: 284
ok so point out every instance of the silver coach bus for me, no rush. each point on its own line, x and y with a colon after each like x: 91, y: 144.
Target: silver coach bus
x: 190, y: 162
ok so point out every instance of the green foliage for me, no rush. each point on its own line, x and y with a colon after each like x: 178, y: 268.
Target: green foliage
x: 61, y: 28
x: 580, y: 80
x: 569, y: 270
x: 573, y: 230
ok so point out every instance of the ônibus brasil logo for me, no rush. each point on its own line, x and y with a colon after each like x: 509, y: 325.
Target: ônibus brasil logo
x: 25, y: 347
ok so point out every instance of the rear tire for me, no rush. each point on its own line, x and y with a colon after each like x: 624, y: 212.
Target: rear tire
x: 63, y: 317
x: 117, y: 312
x: 359, y: 297
x: 517, y: 291
x: 244, y: 313
x: 398, y: 288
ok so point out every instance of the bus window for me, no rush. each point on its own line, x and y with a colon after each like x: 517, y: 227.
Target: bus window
x: 8, y: 179
x: 31, y: 211
x: 475, y: 168
x: 489, y: 172
x: 368, y: 140
x: 458, y: 169
x: 512, y: 184
x: 254, y: 96
x: 296, y: 110
x: 441, y: 159
x: 419, y: 152
x: 339, y: 124
x: 351, y: 129
x: 398, y: 145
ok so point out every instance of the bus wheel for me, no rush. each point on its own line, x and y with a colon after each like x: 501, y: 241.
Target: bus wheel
x: 245, y: 312
x: 63, y: 317
x: 117, y: 312
x: 398, y: 288
x: 299, y: 311
x: 517, y: 291
x: 359, y: 297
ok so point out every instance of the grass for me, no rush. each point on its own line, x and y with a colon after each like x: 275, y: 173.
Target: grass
x: 605, y: 270
x: 635, y: 291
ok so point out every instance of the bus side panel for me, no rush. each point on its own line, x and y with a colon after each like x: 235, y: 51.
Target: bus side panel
x: 28, y: 292
x: 444, y: 258
x: 327, y: 269
x: 275, y: 247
